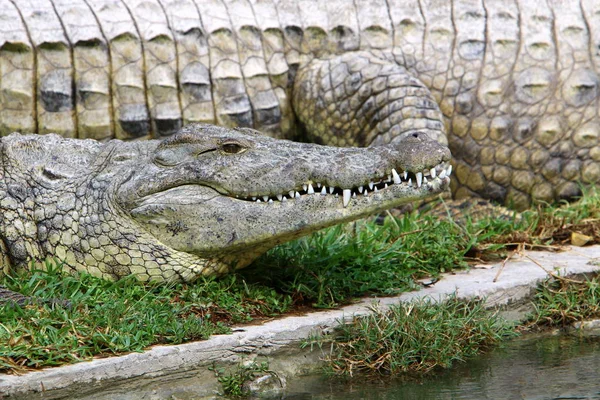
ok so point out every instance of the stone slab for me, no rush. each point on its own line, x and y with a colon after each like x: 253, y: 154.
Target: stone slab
x: 513, y: 287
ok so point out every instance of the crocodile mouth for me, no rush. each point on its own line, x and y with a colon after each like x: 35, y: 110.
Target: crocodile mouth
x: 394, y: 178
x: 179, y: 216
x: 204, y: 192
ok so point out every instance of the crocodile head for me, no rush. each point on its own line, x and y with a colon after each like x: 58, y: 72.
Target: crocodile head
x: 228, y: 195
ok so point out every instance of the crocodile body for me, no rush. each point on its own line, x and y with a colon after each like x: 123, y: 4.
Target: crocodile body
x: 204, y: 201
x: 513, y: 82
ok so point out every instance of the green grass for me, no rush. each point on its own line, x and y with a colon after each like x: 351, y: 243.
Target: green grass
x: 327, y: 269
x: 115, y: 317
x: 233, y: 382
x: 561, y: 302
x: 332, y: 266
x: 415, y: 338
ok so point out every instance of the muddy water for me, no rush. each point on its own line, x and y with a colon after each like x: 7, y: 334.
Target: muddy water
x: 551, y: 367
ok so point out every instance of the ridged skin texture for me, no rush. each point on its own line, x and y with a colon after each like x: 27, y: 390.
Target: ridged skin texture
x: 204, y: 201
x: 514, y: 83
x: 57, y: 200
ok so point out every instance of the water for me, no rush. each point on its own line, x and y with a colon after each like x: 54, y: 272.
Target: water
x: 534, y: 368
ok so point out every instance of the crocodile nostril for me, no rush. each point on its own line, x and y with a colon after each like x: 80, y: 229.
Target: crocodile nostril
x: 416, y: 135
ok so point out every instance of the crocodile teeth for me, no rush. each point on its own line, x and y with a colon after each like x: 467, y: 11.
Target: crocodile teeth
x: 304, y: 187
x: 279, y: 197
x: 331, y: 189
x: 360, y: 189
x: 354, y: 194
x: 375, y: 189
x: 385, y: 186
x: 291, y: 194
x: 346, y: 199
x: 405, y: 175
x: 258, y: 201
x: 297, y: 195
x: 253, y: 198
x: 419, y: 178
x: 424, y: 179
x: 270, y: 201
x: 396, y: 177
x: 310, y: 189
x: 449, y: 170
x: 284, y: 199
x: 443, y: 174
x: 324, y: 190
x: 410, y: 182
x: 319, y: 185
x: 371, y: 184
x: 432, y: 172
x: 266, y: 198
x: 366, y: 192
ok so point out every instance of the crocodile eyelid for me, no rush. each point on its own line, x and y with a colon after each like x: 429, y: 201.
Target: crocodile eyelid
x: 233, y: 148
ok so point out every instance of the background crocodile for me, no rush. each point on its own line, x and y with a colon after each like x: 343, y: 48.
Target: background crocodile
x: 203, y: 201
x: 515, y: 82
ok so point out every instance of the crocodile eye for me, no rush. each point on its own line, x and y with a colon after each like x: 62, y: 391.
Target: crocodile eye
x: 232, y: 148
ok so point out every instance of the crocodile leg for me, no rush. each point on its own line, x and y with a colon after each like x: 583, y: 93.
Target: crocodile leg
x: 14, y: 298
x: 8, y: 296
x: 363, y: 98
x: 4, y: 259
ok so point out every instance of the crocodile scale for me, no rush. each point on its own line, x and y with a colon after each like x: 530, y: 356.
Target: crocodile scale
x: 514, y: 83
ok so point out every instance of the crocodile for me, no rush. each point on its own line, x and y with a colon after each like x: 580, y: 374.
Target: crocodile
x: 204, y: 201
x: 511, y: 86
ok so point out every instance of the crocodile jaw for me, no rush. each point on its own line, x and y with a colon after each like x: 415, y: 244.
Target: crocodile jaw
x: 236, y: 231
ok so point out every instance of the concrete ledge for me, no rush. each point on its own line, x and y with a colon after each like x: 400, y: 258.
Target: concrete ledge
x: 514, y: 287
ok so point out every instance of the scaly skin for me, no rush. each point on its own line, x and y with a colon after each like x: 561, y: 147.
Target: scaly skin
x: 513, y: 82
x: 204, y: 201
